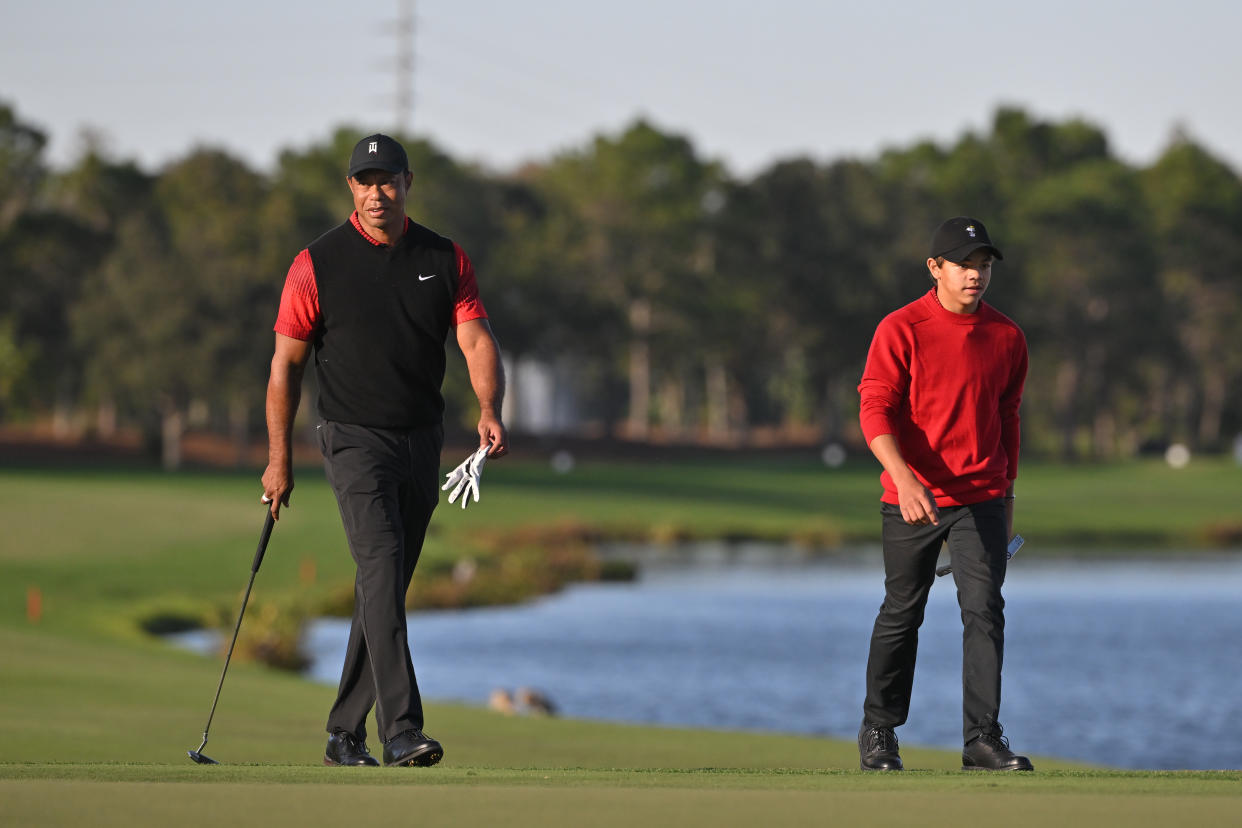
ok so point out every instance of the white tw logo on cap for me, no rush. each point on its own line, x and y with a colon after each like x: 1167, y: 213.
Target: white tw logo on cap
x: 970, y: 229
x: 373, y: 148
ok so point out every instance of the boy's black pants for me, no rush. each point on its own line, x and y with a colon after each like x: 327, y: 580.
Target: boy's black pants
x: 977, y: 540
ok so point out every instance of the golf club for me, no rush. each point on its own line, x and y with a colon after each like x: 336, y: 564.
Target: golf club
x: 1014, y: 546
x: 197, y: 755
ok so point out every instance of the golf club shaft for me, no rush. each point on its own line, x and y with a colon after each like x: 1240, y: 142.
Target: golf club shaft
x: 254, y: 570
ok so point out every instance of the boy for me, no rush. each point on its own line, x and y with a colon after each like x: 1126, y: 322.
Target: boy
x: 939, y: 409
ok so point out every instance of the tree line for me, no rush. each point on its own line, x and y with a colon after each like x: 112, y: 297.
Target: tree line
x: 678, y: 301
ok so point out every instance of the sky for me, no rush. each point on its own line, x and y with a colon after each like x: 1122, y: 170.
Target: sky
x: 502, y: 83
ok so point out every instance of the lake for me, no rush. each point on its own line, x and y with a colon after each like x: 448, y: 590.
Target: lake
x: 1129, y: 664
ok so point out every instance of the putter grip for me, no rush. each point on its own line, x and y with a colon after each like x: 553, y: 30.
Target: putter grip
x: 1014, y: 545
x: 263, y: 538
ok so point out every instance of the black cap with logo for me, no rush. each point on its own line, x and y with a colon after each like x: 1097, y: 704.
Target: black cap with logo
x: 960, y: 236
x: 378, y: 152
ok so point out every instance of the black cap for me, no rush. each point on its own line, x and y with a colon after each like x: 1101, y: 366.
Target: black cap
x: 960, y: 236
x: 378, y: 152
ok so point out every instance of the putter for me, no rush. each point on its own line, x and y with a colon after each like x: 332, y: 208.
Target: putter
x: 1014, y: 546
x: 197, y: 755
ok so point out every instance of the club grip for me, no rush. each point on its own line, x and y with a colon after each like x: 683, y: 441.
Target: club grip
x: 1014, y: 545
x: 263, y: 538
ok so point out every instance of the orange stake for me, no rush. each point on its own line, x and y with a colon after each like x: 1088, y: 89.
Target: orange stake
x: 34, y: 604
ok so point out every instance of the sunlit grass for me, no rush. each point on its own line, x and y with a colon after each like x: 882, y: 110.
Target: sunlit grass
x: 96, y: 716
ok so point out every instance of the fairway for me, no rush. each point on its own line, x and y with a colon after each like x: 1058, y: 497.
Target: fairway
x: 96, y: 716
x: 119, y: 796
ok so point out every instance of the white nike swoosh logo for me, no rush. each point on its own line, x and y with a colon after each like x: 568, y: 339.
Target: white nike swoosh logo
x: 423, y: 278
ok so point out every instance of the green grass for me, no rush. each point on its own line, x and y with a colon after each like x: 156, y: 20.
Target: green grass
x: 96, y: 716
x: 448, y: 796
x: 1143, y: 504
x: 618, y: 799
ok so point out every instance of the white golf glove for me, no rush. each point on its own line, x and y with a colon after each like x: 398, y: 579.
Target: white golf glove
x: 464, y: 480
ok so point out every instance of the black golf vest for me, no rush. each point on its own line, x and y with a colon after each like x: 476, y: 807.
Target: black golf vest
x: 386, y: 312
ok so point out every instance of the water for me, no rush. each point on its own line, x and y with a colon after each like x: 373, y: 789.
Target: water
x: 1123, y: 664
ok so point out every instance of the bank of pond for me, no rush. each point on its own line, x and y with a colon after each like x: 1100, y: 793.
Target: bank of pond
x: 1124, y: 661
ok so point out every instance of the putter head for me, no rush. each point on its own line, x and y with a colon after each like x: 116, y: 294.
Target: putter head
x: 200, y: 758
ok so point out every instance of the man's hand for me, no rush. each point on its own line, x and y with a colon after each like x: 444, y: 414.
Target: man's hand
x: 494, y: 436
x: 277, y: 487
x: 464, y: 480
x: 284, y: 389
x: 487, y: 377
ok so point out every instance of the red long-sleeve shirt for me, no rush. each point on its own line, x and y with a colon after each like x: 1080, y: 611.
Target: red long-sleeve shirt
x: 947, y: 386
x: 299, y: 315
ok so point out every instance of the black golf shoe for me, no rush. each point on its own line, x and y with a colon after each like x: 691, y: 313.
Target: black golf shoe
x: 412, y: 748
x: 990, y: 751
x: 347, y: 749
x: 877, y: 749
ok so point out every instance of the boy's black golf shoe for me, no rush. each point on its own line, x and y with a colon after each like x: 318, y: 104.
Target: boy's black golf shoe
x: 990, y: 751
x: 877, y: 749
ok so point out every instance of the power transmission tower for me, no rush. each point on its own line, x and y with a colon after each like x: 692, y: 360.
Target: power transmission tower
x: 405, y: 68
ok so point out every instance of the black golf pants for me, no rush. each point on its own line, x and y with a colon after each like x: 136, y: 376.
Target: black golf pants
x: 977, y: 540
x: 386, y: 485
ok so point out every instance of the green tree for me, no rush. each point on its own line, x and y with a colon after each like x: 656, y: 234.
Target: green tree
x: 678, y: 297
x: 15, y: 359
x: 630, y: 223
x: 808, y: 252
x: 1195, y: 202
x: 46, y: 257
x: 1092, y: 309
x: 98, y: 191
x: 21, y: 169
x: 179, y: 314
x: 21, y: 165
x: 60, y: 233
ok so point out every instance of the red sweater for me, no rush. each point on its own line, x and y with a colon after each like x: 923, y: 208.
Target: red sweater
x: 947, y: 386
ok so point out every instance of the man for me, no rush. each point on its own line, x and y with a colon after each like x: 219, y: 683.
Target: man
x: 940, y: 396
x: 376, y: 298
